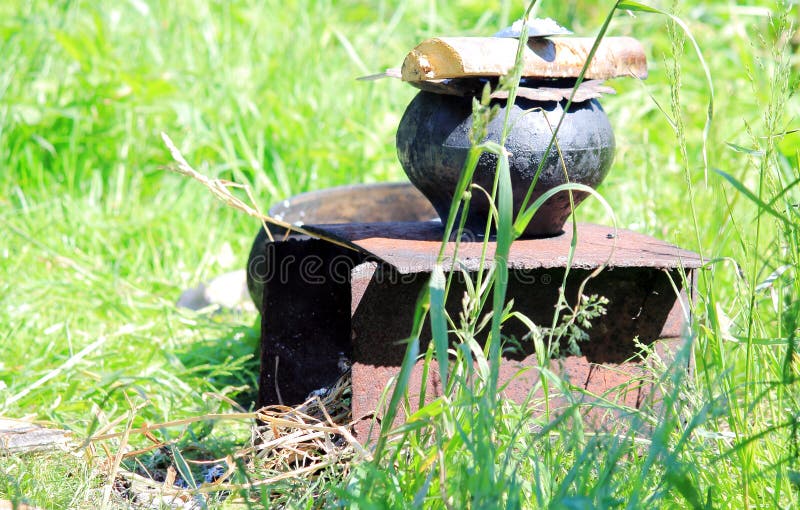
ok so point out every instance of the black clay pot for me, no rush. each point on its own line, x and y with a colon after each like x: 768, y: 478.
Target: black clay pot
x: 433, y: 142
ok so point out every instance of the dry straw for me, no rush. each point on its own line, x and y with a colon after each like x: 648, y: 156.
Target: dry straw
x: 221, y: 188
x: 286, y: 443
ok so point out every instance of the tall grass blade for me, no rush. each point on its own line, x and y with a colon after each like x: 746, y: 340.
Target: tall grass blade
x: 401, y: 384
x: 439, y: 322
x: 505, y: 236
x: 578, y: 81
x: 636, y: 6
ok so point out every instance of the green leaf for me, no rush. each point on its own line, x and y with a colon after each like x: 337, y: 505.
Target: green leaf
x: 431, y: 410
x: 526, y: 216
x: 183, y: 467
x: 439, y: 320
x: 681, y: 481
x: 745, y: 150
x: 74, y: 47
x: 769, y: 281
x: 763, y: 206
x: 636, y: 6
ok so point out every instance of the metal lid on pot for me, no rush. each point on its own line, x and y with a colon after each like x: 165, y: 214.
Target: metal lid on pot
x: 551, y: 64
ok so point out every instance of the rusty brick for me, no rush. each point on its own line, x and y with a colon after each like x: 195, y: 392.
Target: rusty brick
x: 620, y: 383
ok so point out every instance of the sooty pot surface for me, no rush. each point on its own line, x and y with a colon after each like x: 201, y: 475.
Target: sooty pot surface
x: 433, y: 142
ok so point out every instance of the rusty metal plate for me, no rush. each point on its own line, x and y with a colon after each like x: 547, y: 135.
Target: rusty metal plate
x: 411, y: 247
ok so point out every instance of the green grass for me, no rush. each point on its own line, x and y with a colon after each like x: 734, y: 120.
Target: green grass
x: 98, y: 240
